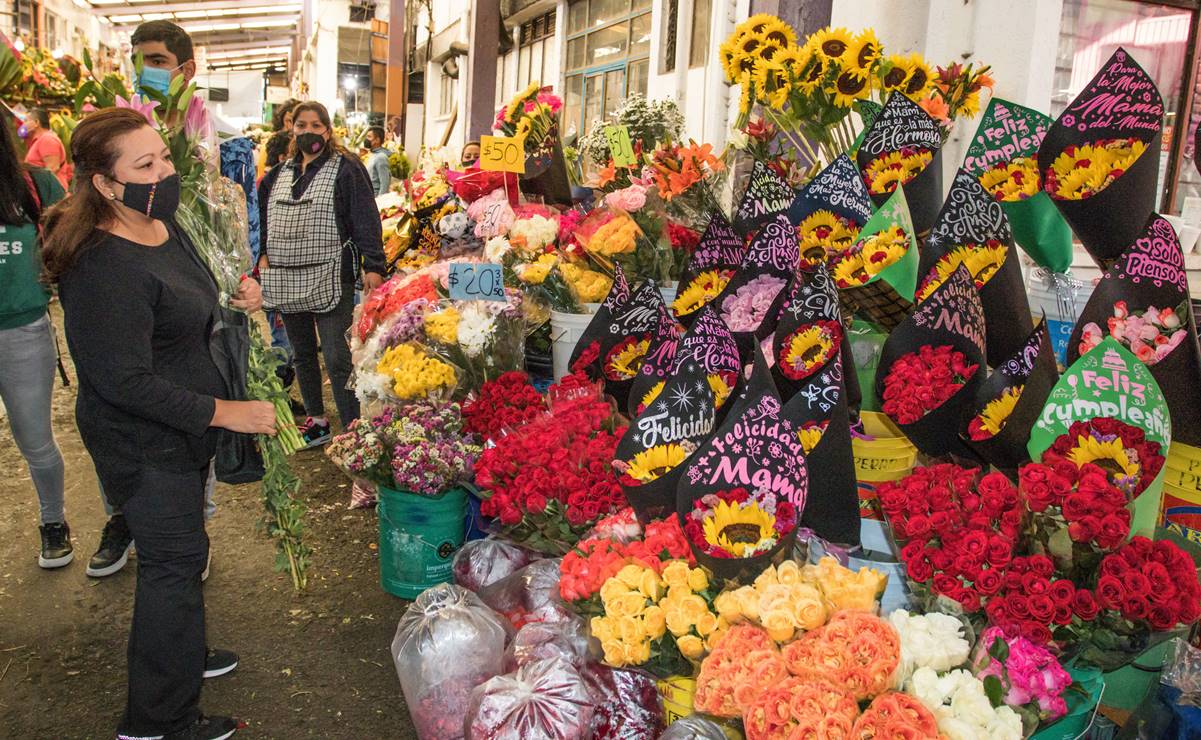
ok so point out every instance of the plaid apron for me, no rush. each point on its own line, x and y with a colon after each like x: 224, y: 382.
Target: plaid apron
x: 304, y: 250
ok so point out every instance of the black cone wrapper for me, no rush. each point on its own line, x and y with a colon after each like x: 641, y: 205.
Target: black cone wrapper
x: 546, y: 172
x: 810, y: 307
x: 902, y: 123
x: 721, y: 249
x: 1120, y: 102
x: 773, y: 252
x: 1150, y: 272
x: 766, y: 195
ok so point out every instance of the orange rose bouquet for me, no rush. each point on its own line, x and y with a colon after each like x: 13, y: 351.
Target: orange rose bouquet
x: 895, y: 715
x: 856, y: 651
x: 801, y: 708
x: 743, y: 663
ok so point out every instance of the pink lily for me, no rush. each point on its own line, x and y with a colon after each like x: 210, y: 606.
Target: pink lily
x: 146, y: 108
x: 196, y: 119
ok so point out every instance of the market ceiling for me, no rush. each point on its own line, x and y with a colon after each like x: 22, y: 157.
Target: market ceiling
x: 234, y: 34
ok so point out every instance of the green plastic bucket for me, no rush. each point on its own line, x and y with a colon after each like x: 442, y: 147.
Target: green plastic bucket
x: 418, y: 538
x: 1126, y: 687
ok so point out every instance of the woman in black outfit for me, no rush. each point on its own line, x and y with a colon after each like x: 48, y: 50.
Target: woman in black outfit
x: 138, y: 302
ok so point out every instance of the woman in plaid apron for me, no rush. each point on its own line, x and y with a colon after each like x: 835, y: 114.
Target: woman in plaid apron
x: 320, y: 228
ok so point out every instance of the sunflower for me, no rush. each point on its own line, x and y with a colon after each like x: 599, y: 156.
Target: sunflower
x: 721, y: 389
x: 850, y: 85
x: 873, y: 254
x: 849, y: 271
x: 728, y: 53
x: 758, y: 23
x: 981, y: 261
x: 832, y: 43
x: 865, y: 51
x: 745, y: 101
x: 778, y: 32
x: 649, y: 397
x: 792, y: 60
x: 810, y: 434
x: 991, y: 419
x: 890, y: 169
x: 970, y: 105
x: 704, y: 288
x: 652, y: 464
x: 919, y: 79
x: 625, y: 360
x: 1108, y: 454
x: 1011, y: 181
x: 898, y: 70
x: 773, y: 84
x: 812, y: 73
x: 741, y: 530
x: 1082, y: 171
x: 823, y: 234
x: 808, y: 348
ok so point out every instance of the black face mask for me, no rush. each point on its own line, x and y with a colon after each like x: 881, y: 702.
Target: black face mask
x: 309, y: 143
x: 158, y: 200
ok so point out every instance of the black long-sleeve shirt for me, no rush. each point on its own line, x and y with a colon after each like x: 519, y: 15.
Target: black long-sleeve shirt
x: 138, y: 322
x: 354, y: 208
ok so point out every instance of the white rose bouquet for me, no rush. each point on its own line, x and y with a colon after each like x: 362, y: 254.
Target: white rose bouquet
x: 958, y: 701
x: 935, y: 641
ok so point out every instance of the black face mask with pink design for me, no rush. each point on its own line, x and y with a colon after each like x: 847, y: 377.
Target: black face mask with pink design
x: 310, y: 143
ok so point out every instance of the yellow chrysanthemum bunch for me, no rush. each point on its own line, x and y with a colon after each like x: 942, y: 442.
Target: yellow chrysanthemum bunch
x: 616, y: 236
x: 1082, y: 171
x: 414, y: 373
x: 533, y: 273
x: 1012, y: 181
x: 443, y: 326
x: 589, y: 286
x: 641, y: 607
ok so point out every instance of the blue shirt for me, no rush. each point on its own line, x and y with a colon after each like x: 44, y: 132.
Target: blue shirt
x: 381, y: 173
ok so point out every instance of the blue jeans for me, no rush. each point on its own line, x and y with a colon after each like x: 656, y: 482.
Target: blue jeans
x: 27, y: 364
x: 279, y: 337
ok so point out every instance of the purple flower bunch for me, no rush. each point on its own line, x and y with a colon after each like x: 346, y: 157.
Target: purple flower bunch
x: 420, y: 448
x: 406, y: 325
x: 745, y: 310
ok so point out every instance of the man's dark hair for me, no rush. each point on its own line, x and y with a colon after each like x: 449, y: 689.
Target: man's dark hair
x: 378, y: 133
x: 177, y: 40
x: 277, y: 147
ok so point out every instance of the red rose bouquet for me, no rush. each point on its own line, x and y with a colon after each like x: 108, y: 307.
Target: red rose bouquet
x: 1129, y: 458
x: 547, y: 485
x: 921, y: 381
x: 1074, y: 511
x: 506, y: 402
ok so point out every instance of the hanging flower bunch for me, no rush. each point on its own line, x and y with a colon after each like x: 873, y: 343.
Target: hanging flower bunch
x: 891, y: 169
x: 921, y: 381
x: 1082, y: 171
x: 1150, y: 334
x: 823, y: 234
x: 981, y: 260
x: 547, y: 484
x: 530, y: 115
x: 507, y: 402
x: 992, y: 418
x: 870, y: 256
x: 1012, y: 181
x: 746, y: 309
x: 738, y: 523
x: 810, y: 347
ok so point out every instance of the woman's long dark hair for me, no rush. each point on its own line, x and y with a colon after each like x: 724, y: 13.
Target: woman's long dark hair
x: 332, y: 144
x: 70, y: 225
x: 17, y: 204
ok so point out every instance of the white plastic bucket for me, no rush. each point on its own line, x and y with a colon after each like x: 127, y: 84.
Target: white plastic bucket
x: 1060, y: 320
x: 565, y: 330
x: 668, y: 291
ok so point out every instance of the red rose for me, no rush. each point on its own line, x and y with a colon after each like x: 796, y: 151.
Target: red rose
x: 941, y: 522
x: 917, y: 526
x: 1080, y: 531
x: 1161, y: 617
x: 1042, y: 565
x: 968, y: 567
x: 1189, y: 611
x: 945, y: 584
x: 920, y: 569
x: 975, y: 543
x: 1042, y: 607
x: 911, y: 550
x: 1032, y: 584
x: 989, y: 582
x: 1018, y: 605
x: 970, y: 601
x: 1063, y: 615
x: 1012, y: 580
x: 1036, y: 633
x: 1114, y: 529
x: 1136, y: 584
x: 1134, y: 607
x: 1113, y: 565
x: 1085, y: 606
x: 1063, y: 591
x: 1110, y: 592
x: 940, y: 558
x: 1000, y: 551
x: 510, y: 515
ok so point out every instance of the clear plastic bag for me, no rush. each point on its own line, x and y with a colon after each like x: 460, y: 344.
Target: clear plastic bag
x: 627, y: 703
x: 481, y: 563
x: 538, y: 641
x: 530, y: 595
x: 543, y: 700
x: 693, y: 728
x: 447, y: 643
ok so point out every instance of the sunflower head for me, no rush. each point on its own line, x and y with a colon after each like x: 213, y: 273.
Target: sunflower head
x: 778, y: 32
x: 849, y: 271
x: 832, y: 43
x: 991, y: 419
x: 1011, y: 181
x: 704, y: 288
x: 850, y: 85
x: 982, y: 261
x: 625, y: 360
x: 865, y: 51
x: 739, y: 529
x: 649, y: 397
x: 721, y: 388
x: 919, y: 78
x: 652, y: 464
x: 810, y: 434
x: 896, y: 70
x: 808, y: 348
x: 1110, y: 455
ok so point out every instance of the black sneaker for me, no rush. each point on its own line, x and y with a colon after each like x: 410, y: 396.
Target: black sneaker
x: 113, y: 553
x: 219, y: 662
x: 207, y: 728
x: 296, y: 406
x: 314, y: 433
x: 56, y: 545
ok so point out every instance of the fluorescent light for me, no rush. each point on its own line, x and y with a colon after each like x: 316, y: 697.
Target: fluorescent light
x: 279, y: 51
x: 134, y: 18
x: 156, y: 16
x: 205, y: 27
x: 108, y: 2
x: 284, y: 23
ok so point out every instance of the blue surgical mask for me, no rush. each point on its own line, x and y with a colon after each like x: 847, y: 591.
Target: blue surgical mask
x: 154, y: 78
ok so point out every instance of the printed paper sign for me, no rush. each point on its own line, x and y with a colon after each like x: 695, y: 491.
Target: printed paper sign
x: 620, y: 147
x: 502, y: 154
x: 476, y: 282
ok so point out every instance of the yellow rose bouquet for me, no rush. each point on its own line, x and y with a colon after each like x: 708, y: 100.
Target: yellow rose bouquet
x: 844, y: 589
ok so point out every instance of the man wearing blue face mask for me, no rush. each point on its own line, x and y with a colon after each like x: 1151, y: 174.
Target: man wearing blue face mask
x: 166, y: 52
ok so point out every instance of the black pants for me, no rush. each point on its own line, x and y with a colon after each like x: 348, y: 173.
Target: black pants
x: 165, y: 514
x: 303, y: 330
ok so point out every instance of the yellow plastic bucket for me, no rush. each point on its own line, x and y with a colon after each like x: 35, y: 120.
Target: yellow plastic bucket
x: 888, y: 457
x: 677, y: 693
x: 1181, y: 512
x: 1179, y: 451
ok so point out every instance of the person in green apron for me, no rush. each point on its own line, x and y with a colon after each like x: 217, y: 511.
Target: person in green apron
x: 320, y: 228
x: 28, y: 355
